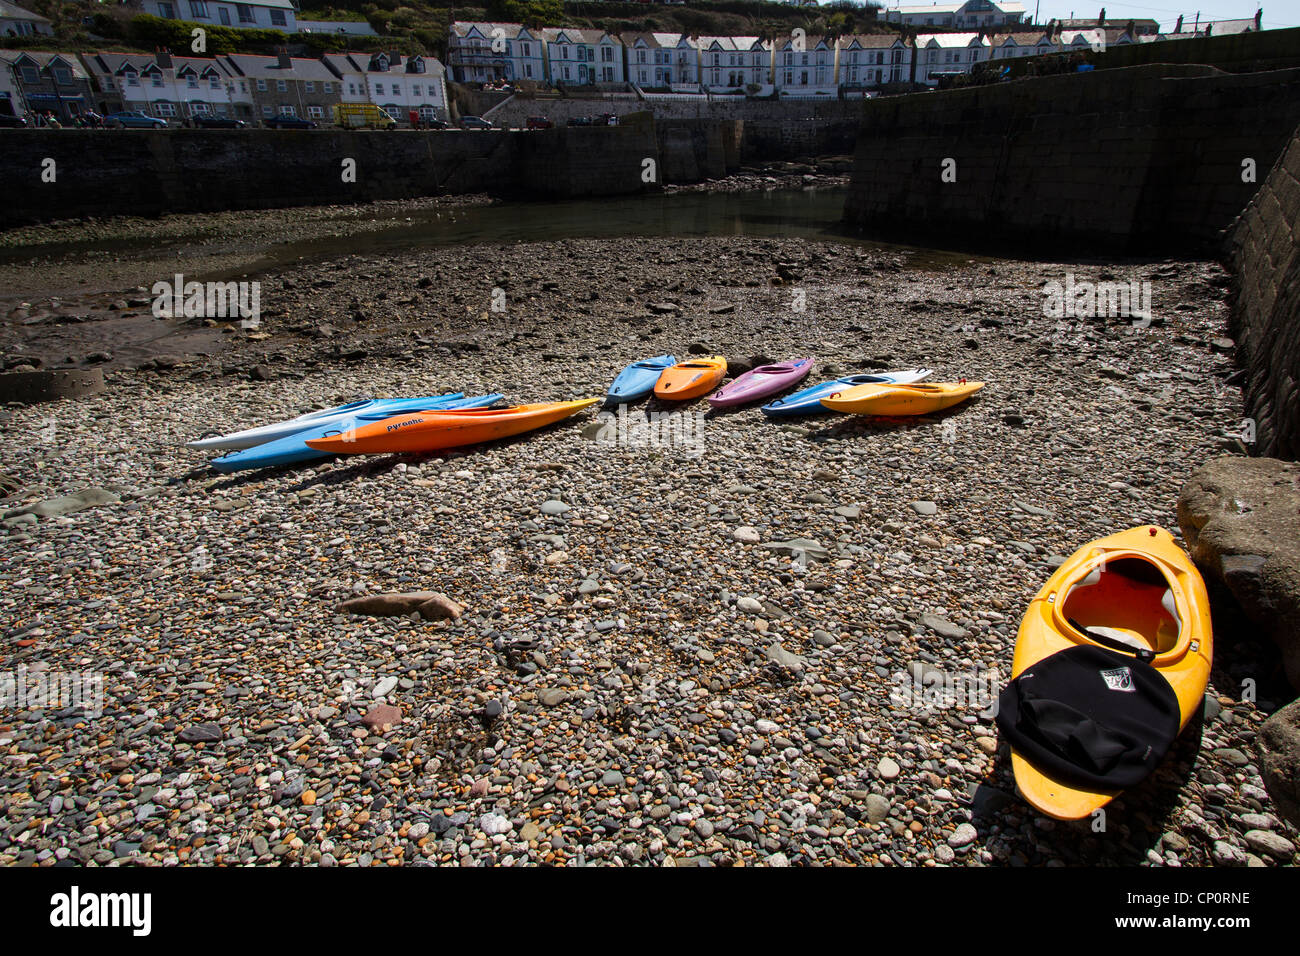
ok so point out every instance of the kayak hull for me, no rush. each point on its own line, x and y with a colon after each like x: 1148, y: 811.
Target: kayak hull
x: 761, y: 383
x: 250, y: 437
x: 437, y: 430
x: 293, y: 449
x: 899, y: 400
x: 687, y: 380
x: 637, y: 381
x: 1183, y: 642
x: 808, y: 401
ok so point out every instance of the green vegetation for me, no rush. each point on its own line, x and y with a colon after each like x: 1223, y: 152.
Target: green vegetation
x: 421, y: 25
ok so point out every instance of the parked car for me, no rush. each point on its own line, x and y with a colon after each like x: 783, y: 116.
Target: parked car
x: 580, y: 121
x: 538, y: 122
x: 475, y: 122
x: 9, y: 121
x: 134, y: 119
x: 435, y: 124
x: 289, y: 122
x: 218, y: 122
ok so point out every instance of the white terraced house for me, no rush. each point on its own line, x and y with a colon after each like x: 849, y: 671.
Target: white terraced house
x: 169, y: 87
x: 872, y: 60
x: 972, y: 14
x: 398, y: 85
x: 806, y: 67
x: 583, y: 57
x: 662, y: 61
x: 253, y: 15
x: 489, y: 52
x: 284, y: 86
x: 947, y: 54
x: 735, y: 64
x: 1012, y: 45
x: 17, y: 22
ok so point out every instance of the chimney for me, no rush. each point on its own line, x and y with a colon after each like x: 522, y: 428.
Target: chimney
x: 164, y: 59
x: 1178, y: 27
x: 283, y: 60
x: 1259, y: 15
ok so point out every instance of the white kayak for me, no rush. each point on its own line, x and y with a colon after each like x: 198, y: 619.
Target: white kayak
x: 251, y: 437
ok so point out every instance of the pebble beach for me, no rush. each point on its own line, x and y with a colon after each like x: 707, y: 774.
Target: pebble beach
x: 663, y: 655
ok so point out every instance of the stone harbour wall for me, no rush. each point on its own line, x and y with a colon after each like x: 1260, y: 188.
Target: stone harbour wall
x: 1264, y: 253
x: 59, y: 174
x: 1145, y: 160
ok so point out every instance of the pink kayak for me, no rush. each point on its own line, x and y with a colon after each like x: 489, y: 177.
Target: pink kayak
x: 761, y: 382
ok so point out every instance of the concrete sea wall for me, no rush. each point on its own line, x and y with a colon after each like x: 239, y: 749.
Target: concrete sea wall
x: 1141, y: 160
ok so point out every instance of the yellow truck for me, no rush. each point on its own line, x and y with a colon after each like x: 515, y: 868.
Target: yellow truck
x: 362, y: 116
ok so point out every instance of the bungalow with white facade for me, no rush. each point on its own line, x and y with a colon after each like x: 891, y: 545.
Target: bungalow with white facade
x: 251, y: 15
x: 947, y: 54
x: 169, y: 87
x: 583, y: 57
x: 805, y: 67
x: 17, y: 22
x: 736, y: 64
x: 871, y: 60
x: 663, y: 61
x: 489, y: 52
x: 398, y: 85
x: 971, y: 14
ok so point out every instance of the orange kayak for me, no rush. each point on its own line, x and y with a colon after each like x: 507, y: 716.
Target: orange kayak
x: 432, y: 431
x: 691, y: 379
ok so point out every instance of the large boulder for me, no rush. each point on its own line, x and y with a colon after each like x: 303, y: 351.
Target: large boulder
x: 1279, y: 760
x: 1240, y: 518
x: 430, y: 605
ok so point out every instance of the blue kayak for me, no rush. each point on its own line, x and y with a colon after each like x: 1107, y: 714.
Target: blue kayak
x: 293, y: 448
x: 808, y: 401
x: 638, y: 379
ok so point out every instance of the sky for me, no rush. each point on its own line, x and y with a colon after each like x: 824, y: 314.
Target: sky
x: 1277, y: 13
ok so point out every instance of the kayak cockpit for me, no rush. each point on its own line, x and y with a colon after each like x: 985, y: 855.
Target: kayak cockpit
x: 1125, y: 600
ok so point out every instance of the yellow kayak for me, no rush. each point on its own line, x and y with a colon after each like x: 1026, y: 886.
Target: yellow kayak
x: 1136, y: 589
x: 920, y: 398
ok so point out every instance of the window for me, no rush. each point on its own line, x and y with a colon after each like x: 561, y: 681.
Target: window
x: 352, y: 89
x: 156, y: 79
x: 286, y: 110
x: 261, y: 86
x: 199, y: 9
x: 225, y: 16
x: 528, y: 49
x: 245, y: 13
x: 327, y: 87
x: 132, y: 79
x: 316, y: 112
x: 31, y: 75
x: 310, y: 86
x: 214, y: 82
x: 528, y: 70
x: 415, y: 89
x: 277, y: 18
x: 282, y: 86
x: 164, y: 110
x: 268, y: 112
x: 379, y: 89
x: 199, y: 109
x: 192, y: 82
x: 62, y: 75
x: 167, y: 11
